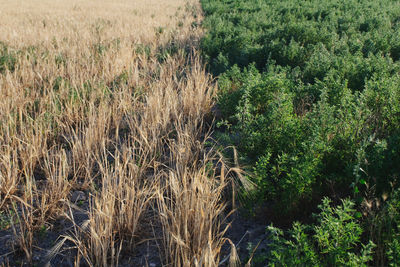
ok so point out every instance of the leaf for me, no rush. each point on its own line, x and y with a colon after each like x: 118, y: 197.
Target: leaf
x: 358, y: 215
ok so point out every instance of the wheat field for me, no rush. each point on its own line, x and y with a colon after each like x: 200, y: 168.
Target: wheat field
x: 105, y: 113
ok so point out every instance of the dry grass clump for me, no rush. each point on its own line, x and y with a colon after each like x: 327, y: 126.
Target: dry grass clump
x: 108, y: 99
x: 191, y: 214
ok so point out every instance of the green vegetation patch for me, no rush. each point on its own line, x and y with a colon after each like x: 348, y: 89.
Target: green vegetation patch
x: 8, y: 58
x: 332, y: 241
x: 310, y: 96
x: 309, y: 92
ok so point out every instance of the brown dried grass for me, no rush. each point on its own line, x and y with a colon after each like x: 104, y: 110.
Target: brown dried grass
x: 109, y: 97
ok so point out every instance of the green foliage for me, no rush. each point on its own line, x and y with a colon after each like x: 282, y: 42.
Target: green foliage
x: 298, y: 33
x: 309, y: 94
x: 60, y: 60
x: 333, y: 241
x: 382, y: 222
x: 5, y: 220
x: 394, y: 252
x: 142, y: 49
x: 167, y: 51
x: 8, y: 58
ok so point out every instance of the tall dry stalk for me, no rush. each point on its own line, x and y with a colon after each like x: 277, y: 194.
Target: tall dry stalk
x: 191, y: 213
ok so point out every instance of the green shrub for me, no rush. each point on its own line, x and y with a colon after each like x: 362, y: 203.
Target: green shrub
x: 333, y: 241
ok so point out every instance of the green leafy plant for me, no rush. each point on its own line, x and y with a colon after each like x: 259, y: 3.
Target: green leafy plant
x: 333, y: 241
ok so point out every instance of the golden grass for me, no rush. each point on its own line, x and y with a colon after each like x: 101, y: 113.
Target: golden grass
x: 110, y: 98
x: 79, y: 22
